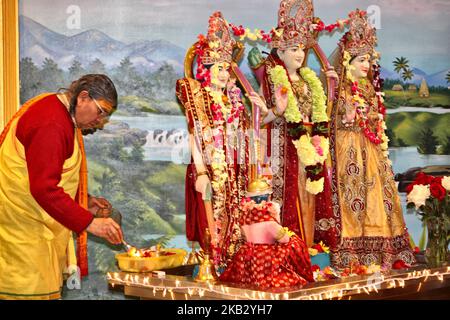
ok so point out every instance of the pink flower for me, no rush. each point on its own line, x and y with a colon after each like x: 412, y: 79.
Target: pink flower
x: 316, y: 143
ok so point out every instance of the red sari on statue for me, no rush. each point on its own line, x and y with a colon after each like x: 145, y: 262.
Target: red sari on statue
x: 269, y: 265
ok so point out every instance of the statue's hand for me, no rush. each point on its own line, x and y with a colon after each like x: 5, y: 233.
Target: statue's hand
x: 332, y: 74
x: 202, y: 184
x: 281, y: 99
x: 258, y: 102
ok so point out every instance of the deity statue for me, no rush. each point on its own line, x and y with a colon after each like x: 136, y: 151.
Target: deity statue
x: 296, y: 118
x: 216, y: 178
x: 368, y: 223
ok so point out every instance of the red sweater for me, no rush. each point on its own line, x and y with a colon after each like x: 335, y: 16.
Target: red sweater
x: 47, y: 133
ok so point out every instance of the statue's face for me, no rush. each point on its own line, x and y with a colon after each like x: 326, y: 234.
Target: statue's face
x: 292, y: 57
x: 361, y: 66
x: 220, y: 75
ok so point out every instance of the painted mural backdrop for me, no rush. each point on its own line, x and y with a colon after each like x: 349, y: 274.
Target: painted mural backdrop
x: 138, y: 161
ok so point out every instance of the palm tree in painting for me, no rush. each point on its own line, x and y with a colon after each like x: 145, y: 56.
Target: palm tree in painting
x: 407, y: 75
x: 401, y: 64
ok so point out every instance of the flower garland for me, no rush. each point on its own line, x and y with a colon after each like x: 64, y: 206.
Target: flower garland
x: 257, y: 34
x: 320, y: 26
x: 312, y: 151
x: 279, y: 77
x: 229, y: 104
x: 221, y: 106
x: 378, y: 137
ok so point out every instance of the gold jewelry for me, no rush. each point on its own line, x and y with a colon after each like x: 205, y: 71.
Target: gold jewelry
x: 275, y: 112
x: 281, y: 233
x: 263, y: 114
x: 202, y: 173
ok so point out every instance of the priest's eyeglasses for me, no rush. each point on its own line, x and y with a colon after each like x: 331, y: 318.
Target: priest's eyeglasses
x: 101, y: 112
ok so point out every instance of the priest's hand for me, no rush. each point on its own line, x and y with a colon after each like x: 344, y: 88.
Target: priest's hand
x: 107, y: 229
x: 100, y: 207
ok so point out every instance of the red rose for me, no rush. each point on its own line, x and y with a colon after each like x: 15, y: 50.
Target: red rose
x: 437, y: 180
x: 422, y: 178
x: 315, y: 268
x: 410, y: 187
x: 400, y: 264
x: 416, y: 250
x: 438, y: 191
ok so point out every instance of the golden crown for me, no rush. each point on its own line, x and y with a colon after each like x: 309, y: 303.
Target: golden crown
x: 219, y: 42
x: 295, y: 20
x: 361, y: 38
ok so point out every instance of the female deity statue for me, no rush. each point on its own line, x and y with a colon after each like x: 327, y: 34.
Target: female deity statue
x: 216, y: 178
x: 369, y: 227
x: 297, y: 138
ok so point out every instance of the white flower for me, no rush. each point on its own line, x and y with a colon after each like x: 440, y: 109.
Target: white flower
x: 314, y: 187
x: 446, y: 183
x: 276, y: 207
x: 418, y: 195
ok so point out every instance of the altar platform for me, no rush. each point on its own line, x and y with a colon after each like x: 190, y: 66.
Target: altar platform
x: 415, y: 283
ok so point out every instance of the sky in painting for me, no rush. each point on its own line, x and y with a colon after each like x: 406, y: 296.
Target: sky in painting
x: 416, y: 29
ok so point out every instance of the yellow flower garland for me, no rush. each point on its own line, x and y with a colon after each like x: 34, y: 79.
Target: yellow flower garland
x: 307, y: 153
x: 319, y: 110
x: 316, y: 186
x: 279, y: 77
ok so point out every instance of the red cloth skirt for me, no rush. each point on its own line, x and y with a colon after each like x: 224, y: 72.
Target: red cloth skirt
x: 270, y: 265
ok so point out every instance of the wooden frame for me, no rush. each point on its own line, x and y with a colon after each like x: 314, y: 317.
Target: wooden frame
x: 9, y: 60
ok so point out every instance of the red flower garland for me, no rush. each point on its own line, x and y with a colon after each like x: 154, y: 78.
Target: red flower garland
x: 330, y: 28
x: 239, y: 31
x: 374, y: 137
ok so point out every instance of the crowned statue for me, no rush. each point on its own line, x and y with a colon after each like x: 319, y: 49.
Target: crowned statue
x: 368, y: 221
x: 296, y: 119
x: 216, y: 178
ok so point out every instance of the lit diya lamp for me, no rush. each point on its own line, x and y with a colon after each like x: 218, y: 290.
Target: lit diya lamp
x: 145, y: 253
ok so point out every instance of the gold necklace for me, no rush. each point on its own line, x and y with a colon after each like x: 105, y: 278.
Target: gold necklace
x: 304, y: 100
